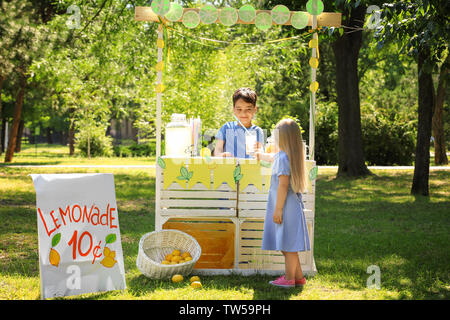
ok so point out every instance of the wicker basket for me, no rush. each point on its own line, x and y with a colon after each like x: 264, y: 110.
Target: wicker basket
x: 154, y: 246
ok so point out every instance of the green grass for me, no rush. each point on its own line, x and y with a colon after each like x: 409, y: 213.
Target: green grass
x: 359, y: 222
x: 54, y: 154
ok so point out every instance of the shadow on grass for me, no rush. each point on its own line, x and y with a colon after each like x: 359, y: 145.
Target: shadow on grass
x: 258, y: 286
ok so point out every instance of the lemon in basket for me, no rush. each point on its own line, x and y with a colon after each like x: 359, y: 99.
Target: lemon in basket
x: 196, y: 285
x: 176, y: 259
x: 194, y: 278
x: 176, y: 253
x: 185, y: 254
x: 188, y: 259
x: 165, y: 262
x: 168, y: 257
x: 177, y: 278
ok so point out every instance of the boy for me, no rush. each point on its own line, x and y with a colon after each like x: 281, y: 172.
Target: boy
x: 231, y: 137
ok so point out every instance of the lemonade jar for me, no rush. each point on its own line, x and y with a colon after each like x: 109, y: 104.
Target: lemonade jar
x: 178, y: 136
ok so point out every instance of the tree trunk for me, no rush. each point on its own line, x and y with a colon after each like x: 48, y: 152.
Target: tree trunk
x: 19, y: 136
x: 440, y: 154
x: 2, y: 79
x: 16, y: 119
x: 72, y: 133
x: 346, y: 51
x: 426, y: 102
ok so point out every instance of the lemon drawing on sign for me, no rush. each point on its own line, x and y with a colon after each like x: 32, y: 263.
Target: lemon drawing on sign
x: 160, y: 7
x: 280, y: 14
x: 175, y: 13
x: 54, y: 256
x: 228, y: 16
x: 263, y: 21
x: 247, y: 13
x: 208, y: 14
x: 299, y: 20
x: 191, y: 19
x: 109, y: 261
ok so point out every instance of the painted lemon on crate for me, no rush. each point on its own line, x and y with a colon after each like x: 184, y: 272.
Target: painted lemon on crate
x: 177, y: 278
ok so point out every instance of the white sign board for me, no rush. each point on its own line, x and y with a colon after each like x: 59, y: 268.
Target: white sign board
x: 80, y: 248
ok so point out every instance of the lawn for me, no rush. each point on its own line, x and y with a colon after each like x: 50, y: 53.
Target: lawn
x: 55, y: 154
x: 359, y: 223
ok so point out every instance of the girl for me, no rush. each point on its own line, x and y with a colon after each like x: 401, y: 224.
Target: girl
x: 285, y: 225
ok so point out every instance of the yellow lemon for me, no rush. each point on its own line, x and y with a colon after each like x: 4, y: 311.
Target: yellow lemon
x: 168, y: 257
x: 181, y: 261
x: 185, y: 254
x: 177, y: 278
x: 196, y: 285
x: 205, y: 152
x: 165, y: 262
x: 172, y: 262
x: 176, y: 252
x: 194, y: 278
x: 188, y: 259
x: 108, y: 262
x: 176, y: 258
x: 54, y: 257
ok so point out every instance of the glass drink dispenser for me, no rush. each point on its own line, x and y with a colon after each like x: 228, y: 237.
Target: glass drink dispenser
x: 178, y: 136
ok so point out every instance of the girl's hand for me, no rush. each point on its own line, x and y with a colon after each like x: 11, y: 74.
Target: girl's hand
x: 278, y: 216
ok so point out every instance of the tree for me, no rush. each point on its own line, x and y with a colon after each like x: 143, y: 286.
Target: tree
x: 422, y: 28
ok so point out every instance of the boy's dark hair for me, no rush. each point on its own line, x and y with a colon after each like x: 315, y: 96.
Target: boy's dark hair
x: 246, y: 94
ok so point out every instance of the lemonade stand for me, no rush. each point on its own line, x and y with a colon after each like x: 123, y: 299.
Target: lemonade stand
x: 221, y: 202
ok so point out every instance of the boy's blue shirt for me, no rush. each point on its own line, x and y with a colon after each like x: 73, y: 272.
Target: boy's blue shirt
x: 233, y: 136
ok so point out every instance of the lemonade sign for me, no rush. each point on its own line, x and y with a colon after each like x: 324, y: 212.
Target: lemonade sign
x: 80, y: 250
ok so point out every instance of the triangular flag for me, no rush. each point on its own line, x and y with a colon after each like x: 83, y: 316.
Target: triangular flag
x: 172, y: 171
x: 223, y: 173
x: 202, y: 173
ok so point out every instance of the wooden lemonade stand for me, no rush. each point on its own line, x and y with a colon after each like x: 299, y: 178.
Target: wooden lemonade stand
x: 221, y: 202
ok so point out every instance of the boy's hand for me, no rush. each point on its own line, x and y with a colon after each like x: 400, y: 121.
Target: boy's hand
x: 278, y: 216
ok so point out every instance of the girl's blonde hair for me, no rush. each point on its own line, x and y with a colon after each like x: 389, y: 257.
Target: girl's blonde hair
x: 288, y: 137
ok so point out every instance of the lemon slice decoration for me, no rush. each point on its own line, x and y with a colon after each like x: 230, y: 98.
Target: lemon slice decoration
x: 208, y: 14
x: 228, y: 16
x: 175, y: 13
x: 314, y: 86
x: 280, y: 14
x: 299, y: 20
x: 263, y: 21
x: 191, y: 19
x: 247, y: 13
x: 314, y: 62
x: 314, y: 7
x: 160, y: 7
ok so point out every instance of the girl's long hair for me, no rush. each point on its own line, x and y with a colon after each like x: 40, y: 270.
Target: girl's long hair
x: 289, y: 139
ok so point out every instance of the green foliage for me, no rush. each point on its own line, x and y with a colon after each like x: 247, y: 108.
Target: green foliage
x: 134, y: 149
x: 387, y: 139
x: 93, y: 141
x: 326, y: 138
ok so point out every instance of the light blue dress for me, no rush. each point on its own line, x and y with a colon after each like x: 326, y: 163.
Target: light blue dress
x: 291, y: 235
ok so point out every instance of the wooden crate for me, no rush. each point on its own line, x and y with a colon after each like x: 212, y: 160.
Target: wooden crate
x: 230, y: 238
x: 216, y: 237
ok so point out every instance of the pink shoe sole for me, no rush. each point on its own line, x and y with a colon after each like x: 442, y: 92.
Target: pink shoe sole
x: 283, y: 283
x: 300, y: 282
